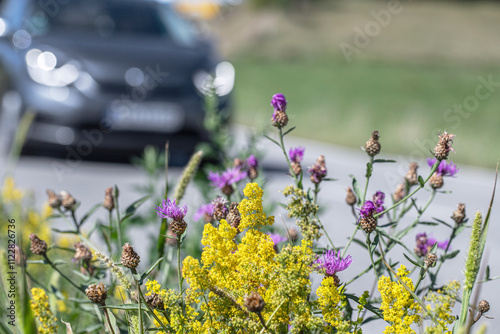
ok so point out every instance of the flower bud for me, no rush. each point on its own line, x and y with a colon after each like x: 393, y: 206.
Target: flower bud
x: 254, y: 302
x: 68, y: 201
x: 130, y: 258
x: 484, y: 306
x: 459, y: 214
x: 443, y: 147
x: 109, y: 202
x: 350, y: 198
x: 38, y: 246
x: 97, y: 293
x: 54, y: 200
x: 372, y: 146
x: 430, y: 260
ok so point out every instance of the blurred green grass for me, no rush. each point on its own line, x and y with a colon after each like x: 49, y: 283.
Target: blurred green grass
x: 426, y: 60
x: 341, y: 104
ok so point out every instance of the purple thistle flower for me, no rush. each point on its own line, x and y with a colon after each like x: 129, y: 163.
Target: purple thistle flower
x: 279, y: 102
x: 296, y: 154
x: 367, y: 209
x: 204, y: 210
x: 277, y: 238
x: 333, y: 263
x: 444, y: 168
x: 424, y: 244
x: 227, y: 178
x: 378, y: 201
x: 252, y: 162
x: 169, y: 209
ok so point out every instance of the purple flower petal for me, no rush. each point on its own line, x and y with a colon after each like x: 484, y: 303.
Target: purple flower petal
x: 333, y: 263
x: 277, y: 238
x: 296, y: 154
x: 279, y: 102
x: 205, y: 209
x: 169, y: 209
x: 252, y: 161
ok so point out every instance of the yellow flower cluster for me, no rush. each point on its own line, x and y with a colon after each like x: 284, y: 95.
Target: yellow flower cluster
x: 230, y: 270
x: 10, y: 193
x: 398, y: 305
x: 329, y: 299
x: 40, y: 305
x: 250, y: 208
x: 443, y: 302
x: 176, y: 319
x: 301, y: 207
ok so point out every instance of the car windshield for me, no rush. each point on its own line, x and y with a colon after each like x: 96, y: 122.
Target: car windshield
x: 113, y: 19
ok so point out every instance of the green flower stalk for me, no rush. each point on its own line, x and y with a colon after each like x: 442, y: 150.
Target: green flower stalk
x: 472, y: 265
x: 114, y: 269
x: 188, y: 174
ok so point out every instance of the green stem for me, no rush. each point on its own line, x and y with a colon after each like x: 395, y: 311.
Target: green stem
x: 368, y: 175
x: 433, y: 169
x: 369, y: 243
x: 75, y: 221
x: 282, y: 144
x: 142, y: 298
x: 61, y: 273
x: 350, y: 240
x: 160, y: 247
x: 324, y: 230
x: 421, y: 276
x: 109, y: 321
x: 452, y: 236
x: 118, y: 223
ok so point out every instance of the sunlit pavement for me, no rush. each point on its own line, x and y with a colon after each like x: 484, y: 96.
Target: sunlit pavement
x: 87, y: 181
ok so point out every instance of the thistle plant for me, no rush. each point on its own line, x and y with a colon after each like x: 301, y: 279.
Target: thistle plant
x: 241, y: 268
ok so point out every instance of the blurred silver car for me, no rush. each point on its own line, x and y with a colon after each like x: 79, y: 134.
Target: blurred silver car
x: 109, y: 76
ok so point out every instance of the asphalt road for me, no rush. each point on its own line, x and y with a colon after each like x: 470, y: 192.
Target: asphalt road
x: 473, y: 186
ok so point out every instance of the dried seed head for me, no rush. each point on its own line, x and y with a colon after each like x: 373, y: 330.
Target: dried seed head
x: 97, y: 293
x: 318, y: 171
x: 234, y: 217
x: 108, y: 202
x: 19, y: 256
x: 399, y: 193
x: 483, y: 306
x: 443, y: 146
x: 38, y: 246
x: 227, y: 189
x: 368, y: 224
x: 220, y: 208
x: 411, y: 176
x: 68, y: 201
x: 154, y: 301
x: 459, y: 214
x: 372, y: 146
x: 350, y: 198
x: 82, y: 252
x: 252, y: 173
x: 279, y: 119
x: 296, y: 168
x: 237, y: 162
x: 254, y: 302
x: 430, y: 260
x: 178, y: 226
x: 294, y: 235
x: 436, y: 181
x: 130, y: 258
x: 54, y: 200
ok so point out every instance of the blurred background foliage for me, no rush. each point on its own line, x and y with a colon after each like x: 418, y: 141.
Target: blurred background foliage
x: 424, y: 61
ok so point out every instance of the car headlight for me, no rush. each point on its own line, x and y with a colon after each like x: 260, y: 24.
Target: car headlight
x: 222, y: 81
x: 43, y: 68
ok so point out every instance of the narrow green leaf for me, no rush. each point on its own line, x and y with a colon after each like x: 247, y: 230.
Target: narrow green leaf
x: 421, y: 181
x: 288, y: 131
x: 369, y: 169
x: 355, y: 187
x: 374, y: 244
x: 4, y: 328
x: 274, y: 141
x: 113, y: 324
x: 487, y: 273
x: 125, y: 306
x: 434, y: 247
x: 329, y: 179
x: 63, y: 231
x: 150, y: 269
x: 413, y: 261
x: 89, y: 213
x: 132, y: 208
x: 451, y: 255
x: 383, y: 160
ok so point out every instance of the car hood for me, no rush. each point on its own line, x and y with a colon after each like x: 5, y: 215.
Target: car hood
x: 107, y: 60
